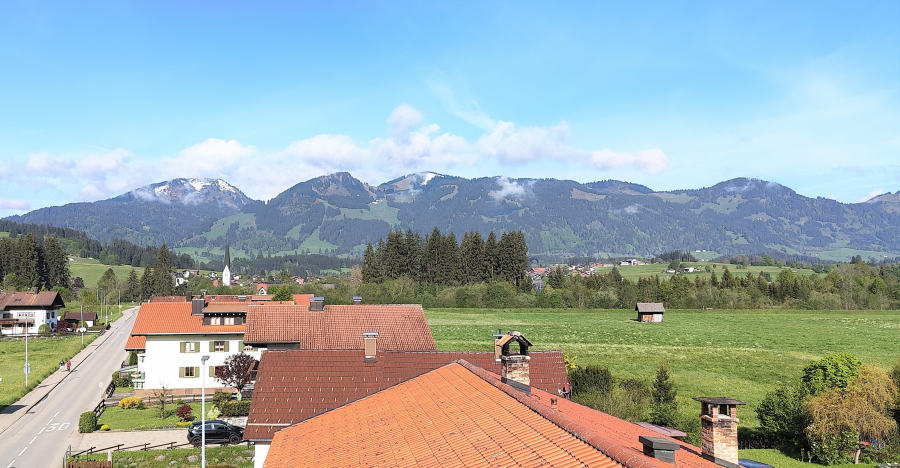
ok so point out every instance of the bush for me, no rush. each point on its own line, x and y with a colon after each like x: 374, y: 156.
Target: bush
x: 132, y: 358
x: 183, y: 423
x: 591, y: 379
x: 219, y: 399
x: 236, y: 408
x: 131, y: 403
x: 213, y: 413
x: 782, y: 417
x: 44, y: 329
x: 104, y: 427
x: 87, y: 422
x: 184, y: 412
x: 832, y: 371
x: 121, y: 379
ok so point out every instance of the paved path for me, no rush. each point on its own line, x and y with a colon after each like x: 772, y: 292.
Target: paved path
x: 100, y: 440
x: 34, y: 430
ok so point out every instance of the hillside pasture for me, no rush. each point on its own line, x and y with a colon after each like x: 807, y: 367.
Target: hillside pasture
x: 632, y: 273
x: 741, y: 354
x: 90, y: 270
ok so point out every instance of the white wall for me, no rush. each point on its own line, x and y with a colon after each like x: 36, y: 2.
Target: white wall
x: 163, y: 358
x: 260, y: 450
x: 40, y: 318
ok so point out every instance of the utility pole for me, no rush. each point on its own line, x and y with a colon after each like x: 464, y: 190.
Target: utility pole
x: 27, y: 369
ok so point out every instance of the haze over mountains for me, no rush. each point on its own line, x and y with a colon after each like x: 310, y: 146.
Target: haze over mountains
x: 339, y: 214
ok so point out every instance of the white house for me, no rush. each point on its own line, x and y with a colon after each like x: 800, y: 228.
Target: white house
x: 176, y: 336
x: 27, y: 311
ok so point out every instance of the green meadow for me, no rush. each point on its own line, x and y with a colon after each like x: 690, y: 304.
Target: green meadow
x: 632, y: 273
x: 44, y: 355
x: 738, y: 353
x: 90, y: 270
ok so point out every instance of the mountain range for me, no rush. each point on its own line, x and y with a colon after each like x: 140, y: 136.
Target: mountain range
x: 339, y: 214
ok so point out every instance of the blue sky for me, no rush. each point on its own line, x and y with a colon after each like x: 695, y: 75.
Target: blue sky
x: 97, y: 98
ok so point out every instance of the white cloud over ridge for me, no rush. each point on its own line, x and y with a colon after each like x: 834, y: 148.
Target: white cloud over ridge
x: 410, y: 145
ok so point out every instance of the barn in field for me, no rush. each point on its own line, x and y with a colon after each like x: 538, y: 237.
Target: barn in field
x: 650, y: 311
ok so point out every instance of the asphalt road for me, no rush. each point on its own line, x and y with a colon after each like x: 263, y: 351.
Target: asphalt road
x: 38, y: 439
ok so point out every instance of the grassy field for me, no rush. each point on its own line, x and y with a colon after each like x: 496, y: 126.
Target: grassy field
x: 632, y: 273
x: 90, y: 270
x: 240, y: 456
x: 44, y: 355
x: 741, y: 354
x: 777, y: 459
x: 148, y: 418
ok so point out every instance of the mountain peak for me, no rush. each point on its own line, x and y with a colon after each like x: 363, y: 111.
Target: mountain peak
x: 190, y: 191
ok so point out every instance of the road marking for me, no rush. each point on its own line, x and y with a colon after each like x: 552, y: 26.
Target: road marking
x: 48, y: 422
x: 32, y: 440
x: 42, y: 430
x: 23, y: 451
x: 10, y: 463
x: 56, y: 413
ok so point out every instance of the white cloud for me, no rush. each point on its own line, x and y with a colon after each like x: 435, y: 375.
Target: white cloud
x: 509, y: 189
x: 43, y: 164
x: 871, y: 195
x: 14, y: 205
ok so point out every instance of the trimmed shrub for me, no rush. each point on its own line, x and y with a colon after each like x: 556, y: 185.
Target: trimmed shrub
x: 591, y: 379
x: 184, y: 412
x: 131, y: 403
x: 219, y: 399
x: 236, y: 408
x: 87, y: 422
x: 121, y: 379
x: 44, y: 329
x: 104, y: 427
x: 132, y: 358
x: 183, y: 423
x: 213, y: 413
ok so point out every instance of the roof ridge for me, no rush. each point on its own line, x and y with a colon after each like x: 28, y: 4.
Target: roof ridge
x: 585, y: 434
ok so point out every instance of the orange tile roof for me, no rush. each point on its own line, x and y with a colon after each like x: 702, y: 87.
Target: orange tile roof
x: 169, y: 299
x: 399, y: 327
x: 449, y: 416
x: 302, y: 299
x: 136, y: 343
x: 295, y: 385
x: 174, y: 318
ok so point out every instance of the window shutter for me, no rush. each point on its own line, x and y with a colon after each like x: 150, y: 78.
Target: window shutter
x: 212, y: 371
x: 226, y: 346
x: 212, y: 346
x: 182, y: 348
x: 196, y: 372
x: 241, y: 346
x: 181, y: 369
x: 196, y: 346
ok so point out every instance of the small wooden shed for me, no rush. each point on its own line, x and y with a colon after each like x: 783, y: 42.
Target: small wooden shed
x: 650, y: 311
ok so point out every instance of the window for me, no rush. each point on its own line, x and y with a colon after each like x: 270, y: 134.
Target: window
x: 219, y: 346
x: 190, y: 346
x: 228, y: 321
x: 188, y: 372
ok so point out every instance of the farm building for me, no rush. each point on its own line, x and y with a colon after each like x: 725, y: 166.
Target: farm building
x: 650, y: 311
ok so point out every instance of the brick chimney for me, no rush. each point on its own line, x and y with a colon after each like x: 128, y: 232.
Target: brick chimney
x: 317, y: 303
x: 719, y: 430
x: 370, y: 340
x: 514, y: 367
x: 357, y: 300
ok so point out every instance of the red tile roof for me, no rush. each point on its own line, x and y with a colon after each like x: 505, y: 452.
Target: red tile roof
x: 302, y: 299
x: 447, y: 417
x: 295, y: 385
x: 48, y: 299
x: 463, y: 415
x: 169, y: 299
x: 399, y: 327
x: 79, y: 316
x: 174, y: 318
x: 136, y: 343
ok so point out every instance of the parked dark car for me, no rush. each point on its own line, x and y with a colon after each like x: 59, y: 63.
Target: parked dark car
x: 217, y: 431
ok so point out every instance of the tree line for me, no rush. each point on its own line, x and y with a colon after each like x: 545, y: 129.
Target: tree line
x: 27, y: 263
x: 439, y: 259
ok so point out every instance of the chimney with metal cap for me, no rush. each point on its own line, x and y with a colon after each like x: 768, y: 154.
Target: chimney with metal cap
x: 197, y: 305
x: 370, y: 341
x: 317, y: 303
x: 514, y: 367
x: 719, y: 430
x: 357, y: 300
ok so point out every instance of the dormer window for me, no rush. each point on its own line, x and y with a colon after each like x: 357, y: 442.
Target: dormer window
x: 215, y: 320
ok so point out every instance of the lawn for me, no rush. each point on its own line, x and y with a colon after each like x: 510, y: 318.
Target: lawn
x: 44, y: 355
x: 632, y: 273
x: 239, y: 456
x: 90, y: 270
x: 148, y: 418
x: 777, y: 459
x: 740, y: 354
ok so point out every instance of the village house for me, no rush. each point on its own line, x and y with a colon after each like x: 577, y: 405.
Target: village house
x: 25, y: 312
x: 295, y: 385
x: 75, y: 319
x: 506, y: 419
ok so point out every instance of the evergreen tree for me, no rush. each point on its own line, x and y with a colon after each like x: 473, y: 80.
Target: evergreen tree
x: 57, y: 263
x: 663, y: 405
x: 109, y: 285
x: 395, y: 262
x: 491, y: 261
x: 431, y: 264
x: 30, y: 265
x: 7, y: 256
x: 132, y: 286
x: 449, y: 260
x: 414, y: 254
x: 471, y: 258
x: 147, y: 283
x: 370, y: 268
x: 727, y: 279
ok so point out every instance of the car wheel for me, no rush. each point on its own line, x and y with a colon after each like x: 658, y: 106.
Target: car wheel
x: 234, y: 439
x: 195, y: 441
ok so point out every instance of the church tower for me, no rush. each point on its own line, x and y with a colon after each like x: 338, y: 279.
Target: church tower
x: 226, y: 272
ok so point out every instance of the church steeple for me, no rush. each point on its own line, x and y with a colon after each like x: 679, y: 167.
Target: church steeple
x: 227, y: 256
x: 226, y: 272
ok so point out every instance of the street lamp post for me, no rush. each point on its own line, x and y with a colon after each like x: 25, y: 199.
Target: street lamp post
x: 203, y: 411
x: 27, y: 368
